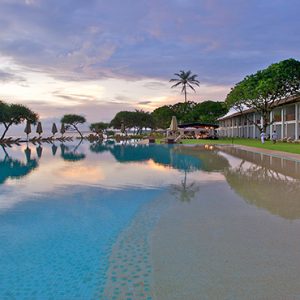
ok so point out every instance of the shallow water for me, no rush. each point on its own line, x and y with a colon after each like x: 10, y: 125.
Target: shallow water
x: 108, y: 221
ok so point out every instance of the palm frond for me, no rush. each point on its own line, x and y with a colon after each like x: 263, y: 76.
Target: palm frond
x: 191, y: 87
x: 176, y: 84
x: 195, y: 82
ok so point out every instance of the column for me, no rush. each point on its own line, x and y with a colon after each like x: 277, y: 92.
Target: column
x: 296, y: 121
x: 271, y: 123
x: 254, y: 127
x: 261, y: 122
x: 282, y: 123
x: 247, y: 129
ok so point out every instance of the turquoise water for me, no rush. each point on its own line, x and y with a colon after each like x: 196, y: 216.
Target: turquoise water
x: 59, y: 217
x: 110, y: 221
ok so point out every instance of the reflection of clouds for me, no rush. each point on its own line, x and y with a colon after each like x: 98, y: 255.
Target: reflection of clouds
x: 82, y: 174
x: 100, y: 170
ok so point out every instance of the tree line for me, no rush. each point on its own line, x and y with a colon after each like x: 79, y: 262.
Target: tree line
x: 259, y: 92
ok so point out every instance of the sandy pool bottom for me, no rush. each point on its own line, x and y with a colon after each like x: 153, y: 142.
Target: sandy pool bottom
x: 218, y: 246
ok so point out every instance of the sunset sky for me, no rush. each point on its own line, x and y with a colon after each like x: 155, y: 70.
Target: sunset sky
x: 97, y: 57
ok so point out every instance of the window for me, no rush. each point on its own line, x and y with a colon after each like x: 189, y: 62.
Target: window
x: 277, y: 115
x: 257, y: 119
x: 290, y: 113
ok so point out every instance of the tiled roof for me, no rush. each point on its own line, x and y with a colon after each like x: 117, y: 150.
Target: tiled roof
x: 235, y: 112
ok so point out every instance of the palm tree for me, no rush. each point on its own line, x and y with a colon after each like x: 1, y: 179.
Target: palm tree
x: 185, y: 192
x: 186, y: 79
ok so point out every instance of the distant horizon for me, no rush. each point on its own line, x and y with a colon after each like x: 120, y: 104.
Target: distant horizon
x: 99, y: 58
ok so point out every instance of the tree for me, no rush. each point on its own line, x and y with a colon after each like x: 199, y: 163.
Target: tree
x: 263, y: 89
x: 138, y: 120
x: 73, y: 121
x: 14, y: 114
x: 99, y: 127
x: 142, y: 120
x: 162, y: 116
x: 183, y: 111
x: 208, y: 112
x: 125, y: 117
x: 186, y: 79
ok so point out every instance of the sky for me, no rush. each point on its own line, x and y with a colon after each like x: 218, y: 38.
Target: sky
x: 97, y: 57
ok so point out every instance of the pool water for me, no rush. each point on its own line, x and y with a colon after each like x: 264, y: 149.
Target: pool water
x: 114, y: 221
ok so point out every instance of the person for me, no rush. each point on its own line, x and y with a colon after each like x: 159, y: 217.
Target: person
x: 262, y: 137
x: 274, y: 137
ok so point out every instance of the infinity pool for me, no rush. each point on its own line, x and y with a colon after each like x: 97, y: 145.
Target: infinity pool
x: 111, y: 221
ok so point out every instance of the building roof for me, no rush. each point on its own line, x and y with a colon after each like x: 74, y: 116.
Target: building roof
x: 197, y: 125
x: 235, y: 112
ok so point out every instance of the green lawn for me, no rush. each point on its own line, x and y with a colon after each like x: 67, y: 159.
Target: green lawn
x: 279, y: 146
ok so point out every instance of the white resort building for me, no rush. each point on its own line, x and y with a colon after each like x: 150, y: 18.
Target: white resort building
x: 284, y: 118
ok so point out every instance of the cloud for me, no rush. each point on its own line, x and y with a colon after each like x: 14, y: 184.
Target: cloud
x: 155, y: 84
x: 132, y: 48
x: 144, y: 102
x: 8, y: 76
x: 74, y: 41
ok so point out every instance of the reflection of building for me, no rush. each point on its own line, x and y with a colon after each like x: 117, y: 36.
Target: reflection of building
x: 270, y: 183
x: 286, y: 167
x: 285, y: 117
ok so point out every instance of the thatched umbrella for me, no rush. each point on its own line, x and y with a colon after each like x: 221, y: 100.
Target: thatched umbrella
x: 39, y: 129
x: 122, y: 127
x: 174, y: 124
x: 54, y: 129
x: 27, y: 129
x: 62, y: 129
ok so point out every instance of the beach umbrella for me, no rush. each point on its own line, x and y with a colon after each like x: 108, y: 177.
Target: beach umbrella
x: 122, y: 127
x: 174, y: 124
x: 54, y: 129
x: 39, y: 129
x: 27, y: 129
x: 62, y: 129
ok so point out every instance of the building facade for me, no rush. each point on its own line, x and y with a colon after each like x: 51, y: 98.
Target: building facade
x: 284, y: 117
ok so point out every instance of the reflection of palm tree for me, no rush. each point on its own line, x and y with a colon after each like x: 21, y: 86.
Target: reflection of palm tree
x: 13, y: 168
x: 184, y: 191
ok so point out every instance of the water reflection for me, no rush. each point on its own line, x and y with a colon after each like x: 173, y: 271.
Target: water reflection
x: 39, y: 151
x: 70, y: 153
x: 15, y: 168
x: 54, y: 149
x: 211, y: 160
x: 267, y: 182
x: 165, y: 155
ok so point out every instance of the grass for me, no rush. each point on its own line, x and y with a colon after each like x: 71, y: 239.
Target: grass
x: 279, y: 146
